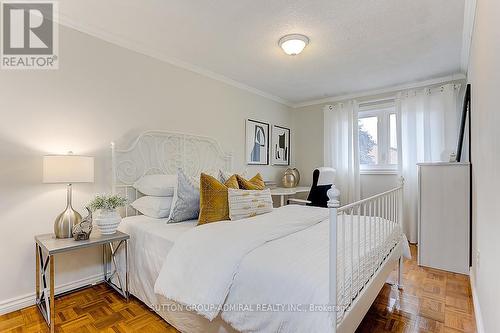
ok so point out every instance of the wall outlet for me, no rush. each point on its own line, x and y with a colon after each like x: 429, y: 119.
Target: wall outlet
x: 477, y: 258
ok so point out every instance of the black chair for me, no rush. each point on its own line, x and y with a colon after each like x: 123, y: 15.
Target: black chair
x: 323, y: 179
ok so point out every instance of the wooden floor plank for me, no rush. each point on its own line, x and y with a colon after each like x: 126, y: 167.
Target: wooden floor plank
x: 431, y: 301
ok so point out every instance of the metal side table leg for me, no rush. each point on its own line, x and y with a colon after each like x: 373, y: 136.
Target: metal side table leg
x: 52, y: 298
x: 112, y: 270
x: 127, y: 295
x: 37, y: 274
x: 104, y: 262
x: 44, y: 301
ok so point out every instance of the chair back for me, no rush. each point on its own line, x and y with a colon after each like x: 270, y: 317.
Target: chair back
x: 323, y: 178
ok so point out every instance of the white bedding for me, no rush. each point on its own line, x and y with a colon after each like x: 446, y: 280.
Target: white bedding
x: 200, y: 267
x: 280, y: 258
x: 150, y: 241
x: 293, y: 272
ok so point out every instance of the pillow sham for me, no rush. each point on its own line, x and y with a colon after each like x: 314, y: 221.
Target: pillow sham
x: 213, y: 198
x: 186, y: 205
x: 249, y: 203
x: 157, y: 185
x: 255, y: 183
x: 157, y: 207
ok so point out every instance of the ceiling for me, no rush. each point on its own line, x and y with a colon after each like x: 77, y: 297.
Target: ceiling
x: 356, y: 45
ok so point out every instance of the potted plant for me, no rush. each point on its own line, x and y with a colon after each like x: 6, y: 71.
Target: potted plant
x: 108, y: 218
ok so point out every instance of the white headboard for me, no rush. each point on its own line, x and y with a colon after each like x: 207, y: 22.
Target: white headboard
x: 161, y: 152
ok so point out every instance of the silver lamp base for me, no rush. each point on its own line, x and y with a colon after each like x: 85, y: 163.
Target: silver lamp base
x: 63, y: 225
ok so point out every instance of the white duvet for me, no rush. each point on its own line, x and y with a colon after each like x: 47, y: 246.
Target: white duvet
x: 260, y: 272
x: 200, y: 268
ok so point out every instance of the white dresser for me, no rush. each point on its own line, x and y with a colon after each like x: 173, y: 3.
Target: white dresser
x: 443, y: 216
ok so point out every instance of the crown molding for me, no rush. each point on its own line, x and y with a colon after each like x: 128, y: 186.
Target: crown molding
x: 153, y: 53
x: 148, y: 51
x: 392, y: 89
x: 469, y: 19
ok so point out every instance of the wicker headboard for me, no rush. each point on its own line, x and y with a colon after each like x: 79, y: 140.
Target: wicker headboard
x: 161, y: 152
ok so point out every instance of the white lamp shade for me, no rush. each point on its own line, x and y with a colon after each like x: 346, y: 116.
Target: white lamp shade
x: 68, y: 169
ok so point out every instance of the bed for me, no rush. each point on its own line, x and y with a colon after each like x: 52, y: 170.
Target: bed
x: 293, y: 248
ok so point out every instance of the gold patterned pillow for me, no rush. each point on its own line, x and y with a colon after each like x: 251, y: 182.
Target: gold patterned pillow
x: 249, y: 203
x: 213, y: 198
x: 255, y: 183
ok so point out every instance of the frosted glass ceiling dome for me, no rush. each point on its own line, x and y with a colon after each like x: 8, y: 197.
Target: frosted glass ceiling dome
x: 293, y: 44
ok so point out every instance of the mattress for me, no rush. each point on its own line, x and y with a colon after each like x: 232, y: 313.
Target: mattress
x: 150, y: 241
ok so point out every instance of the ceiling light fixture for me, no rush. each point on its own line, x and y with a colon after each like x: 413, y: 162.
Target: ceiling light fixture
x: 293, y: 44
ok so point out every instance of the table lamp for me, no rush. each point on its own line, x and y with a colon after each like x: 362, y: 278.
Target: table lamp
x: 67, y: 169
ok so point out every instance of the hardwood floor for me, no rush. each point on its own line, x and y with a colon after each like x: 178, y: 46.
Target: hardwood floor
x: 432, y: 301
x: 95, y: 309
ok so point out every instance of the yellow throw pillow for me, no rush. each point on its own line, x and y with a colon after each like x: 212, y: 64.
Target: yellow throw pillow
x: 213, y: 198
x: 256, y: 183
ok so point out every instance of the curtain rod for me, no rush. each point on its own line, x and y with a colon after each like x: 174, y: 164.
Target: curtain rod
x: 390, y: 90
x: 378, y: 101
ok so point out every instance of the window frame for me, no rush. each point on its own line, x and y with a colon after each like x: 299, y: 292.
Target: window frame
x: 382, y: 112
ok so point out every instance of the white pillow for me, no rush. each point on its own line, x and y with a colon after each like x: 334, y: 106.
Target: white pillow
x: 157, y: 207
x: 248, y: 203
x: 157, y: 185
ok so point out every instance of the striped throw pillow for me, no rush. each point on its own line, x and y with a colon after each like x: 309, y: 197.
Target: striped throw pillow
x: 248, y: 203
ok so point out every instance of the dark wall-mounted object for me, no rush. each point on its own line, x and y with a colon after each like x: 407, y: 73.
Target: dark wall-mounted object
x: 465, y: 116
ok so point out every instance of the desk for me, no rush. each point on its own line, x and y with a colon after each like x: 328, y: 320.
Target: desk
x: 282, y: 192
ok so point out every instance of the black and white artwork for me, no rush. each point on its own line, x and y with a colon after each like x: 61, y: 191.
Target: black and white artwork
x: 257, y: 142
x: 281, y: 145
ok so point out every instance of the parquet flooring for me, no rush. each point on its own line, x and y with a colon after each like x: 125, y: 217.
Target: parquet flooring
x: 95, y: 309
x: 432, y: 301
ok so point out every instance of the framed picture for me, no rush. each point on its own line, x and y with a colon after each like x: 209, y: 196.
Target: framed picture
x: 257, y: 142
x: 281, y: 145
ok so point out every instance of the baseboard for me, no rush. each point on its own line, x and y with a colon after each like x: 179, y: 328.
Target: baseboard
x: 475, y: 301
x: 20, y: 302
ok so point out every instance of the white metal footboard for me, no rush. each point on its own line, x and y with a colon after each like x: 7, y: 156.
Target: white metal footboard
x: 362, y: 235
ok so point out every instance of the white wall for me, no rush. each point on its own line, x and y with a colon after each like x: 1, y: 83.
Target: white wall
x: 308, y: 140
x: 100, y: 93
x: 308, y: 143
x: 484, y: 76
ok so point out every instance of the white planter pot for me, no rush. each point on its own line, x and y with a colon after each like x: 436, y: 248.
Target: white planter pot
x: 107, y: 221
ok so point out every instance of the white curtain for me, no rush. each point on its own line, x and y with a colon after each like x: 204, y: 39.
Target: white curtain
x: 430, y: 120
x: 341, y: 148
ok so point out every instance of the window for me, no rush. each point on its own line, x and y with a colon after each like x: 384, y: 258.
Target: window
x: 378, y: 138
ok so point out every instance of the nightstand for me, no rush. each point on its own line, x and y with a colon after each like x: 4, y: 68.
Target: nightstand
x: 47, y: 246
